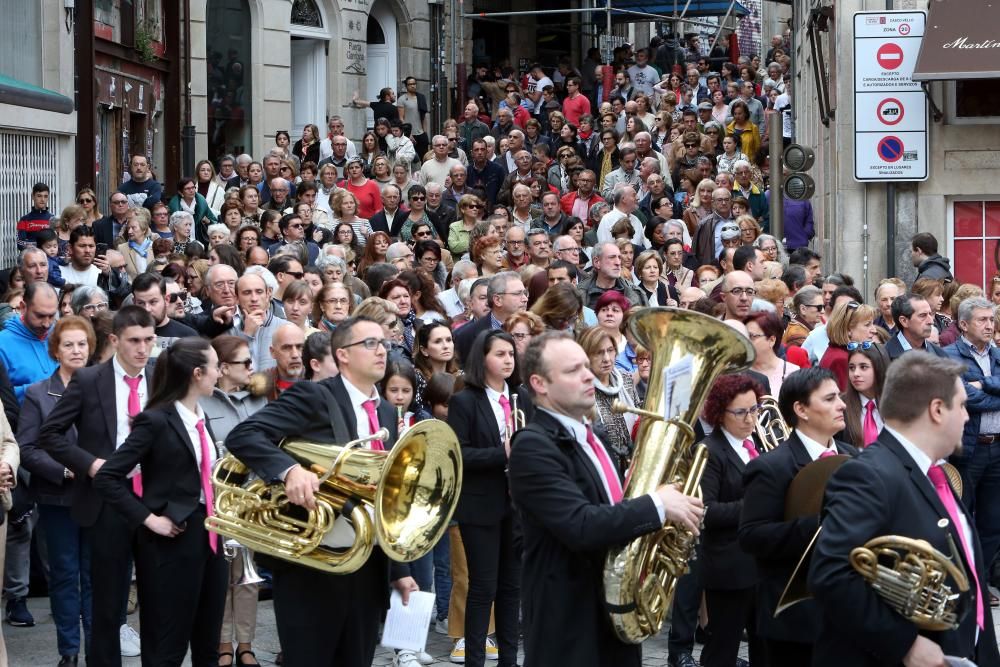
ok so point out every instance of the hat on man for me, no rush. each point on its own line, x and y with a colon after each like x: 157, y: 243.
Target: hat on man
x: 705, y: 106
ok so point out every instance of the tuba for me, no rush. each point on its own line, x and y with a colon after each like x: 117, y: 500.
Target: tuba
x: 402, y: 498
x: 772, y: 430
x: 640, y: 577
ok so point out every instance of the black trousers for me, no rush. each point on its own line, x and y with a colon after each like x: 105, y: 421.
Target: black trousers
x: 110, y: 540
x: 494, y: 579
x: 330, y: 620
x: 729, y: 613
x: 684, y: 613
x: 182, y: 595
x: 787, y: 654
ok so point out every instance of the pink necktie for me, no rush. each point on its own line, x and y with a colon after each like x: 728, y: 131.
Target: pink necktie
x: 940, y: 482
x: 751, y: 450
x: 610, y: 476
x: 373, y: 426
x: 830, y: 451
x: 206, y: 481
x: 134, y: 408
x: 869, y: 427
x: 505, y: 405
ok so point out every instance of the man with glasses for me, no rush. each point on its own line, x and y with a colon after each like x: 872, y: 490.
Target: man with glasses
x: 437, y: 169
x: 149, y: 292
x: 335, y: 410
x: 484, y: 174
x: 738, y: 292
x: 607, y: 275
x: 577, y: 203
x: 506, y: 295
x: 338, y: 156
x: 679, y: 148
x: 279, y: 200
x: 459, y: 187
x: 107, y: 229
x: 516, y: 245
x: 708, y: 237
x: 141, y: 189
x: 744, y: 187
x: 566, y: 249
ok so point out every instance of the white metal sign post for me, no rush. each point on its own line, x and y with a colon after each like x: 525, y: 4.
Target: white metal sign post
x: 890, y: 109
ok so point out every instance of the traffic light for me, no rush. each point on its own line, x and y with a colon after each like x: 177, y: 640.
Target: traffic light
x: 798, y: 159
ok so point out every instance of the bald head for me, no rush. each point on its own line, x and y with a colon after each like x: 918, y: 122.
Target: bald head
x: 286, y: 350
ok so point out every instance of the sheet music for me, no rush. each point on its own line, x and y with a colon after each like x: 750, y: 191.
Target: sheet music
x: 677, y: 387
x: 952, y: 661
x: 406, y: 627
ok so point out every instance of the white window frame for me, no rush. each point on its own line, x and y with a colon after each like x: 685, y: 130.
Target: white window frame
x: 988, y: 270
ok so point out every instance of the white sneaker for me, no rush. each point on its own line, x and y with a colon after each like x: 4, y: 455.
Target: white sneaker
x: 441, y: 626
x: 129, y: 641
x: 406, y: 659
x: 458, y: 651
x: 492, y: 652
x: 425, y: 658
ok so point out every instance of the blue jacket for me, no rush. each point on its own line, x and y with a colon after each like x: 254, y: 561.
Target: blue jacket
x: 982, y: 400
x: 25, y: 356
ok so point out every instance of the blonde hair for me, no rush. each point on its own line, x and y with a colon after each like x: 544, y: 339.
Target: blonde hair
x: 845, y: 316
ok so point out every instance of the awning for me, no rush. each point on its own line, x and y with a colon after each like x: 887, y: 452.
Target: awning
x: 19, y: 93
x: 667, y: 8
x: 960, y: 41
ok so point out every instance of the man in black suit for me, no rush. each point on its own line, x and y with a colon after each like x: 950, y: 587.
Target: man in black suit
x: 896, y: 487
x: 107, y: 229
x: 563, y: 481
x: 914, y: 321
x: 99, y: 401
x: 391, y: 216
x: 811, y: 405
x: 324, y: 619
x: 506, y: 295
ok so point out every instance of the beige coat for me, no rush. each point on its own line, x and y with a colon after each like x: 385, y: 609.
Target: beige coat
x: 10, y: 454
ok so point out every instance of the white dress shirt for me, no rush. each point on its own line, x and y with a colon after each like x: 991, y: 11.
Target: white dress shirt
x: 191, y: 420
x: 360, y: 415
x: 122, y: 419
x: 875, y: 414
x: 579, y: 431
x: 815, y: 448
x: 498, y: 414
x: 737, y: 446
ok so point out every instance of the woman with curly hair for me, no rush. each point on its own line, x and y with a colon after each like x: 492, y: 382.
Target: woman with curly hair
x: 487, y: 254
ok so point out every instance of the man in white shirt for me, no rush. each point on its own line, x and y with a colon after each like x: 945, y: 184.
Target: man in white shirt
x: 536, y: 84
x: 438, y: 168
x: 336, y: 126
x: 624, y: 202
x: 643, y: 75
x: 82, y: 250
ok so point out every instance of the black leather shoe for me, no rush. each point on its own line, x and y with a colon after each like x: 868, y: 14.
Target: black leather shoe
x: 740, y: 662
x: 67, y: 660
x: 682, y: 660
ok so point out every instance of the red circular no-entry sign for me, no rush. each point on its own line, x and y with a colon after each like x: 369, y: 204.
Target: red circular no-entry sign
x: 889, y: 55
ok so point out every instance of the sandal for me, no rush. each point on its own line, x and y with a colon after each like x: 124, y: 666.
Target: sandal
x: 223, y: 655
x: 239, y: 658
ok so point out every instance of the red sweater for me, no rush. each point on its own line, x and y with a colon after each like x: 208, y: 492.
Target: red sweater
x: 369, y: 198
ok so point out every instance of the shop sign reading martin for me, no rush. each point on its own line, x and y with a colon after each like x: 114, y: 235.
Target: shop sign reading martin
x: 890, y: 109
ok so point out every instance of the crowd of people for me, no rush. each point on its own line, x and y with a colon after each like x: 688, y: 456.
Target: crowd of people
x: 479, y: 275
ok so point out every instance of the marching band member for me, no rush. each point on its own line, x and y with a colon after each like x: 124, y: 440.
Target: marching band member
x: 898, y: 488
x: 564, y: 480
x: 482, y: 419
x: 729, y: 574
x: 311, y: 629
x: 810, y: 404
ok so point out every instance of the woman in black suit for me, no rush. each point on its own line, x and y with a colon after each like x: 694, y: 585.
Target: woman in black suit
x: 729, y: 574
x: 181, y: 573
x: 480, y: 417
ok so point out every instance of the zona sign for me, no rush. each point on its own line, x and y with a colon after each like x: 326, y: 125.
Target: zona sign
x: 890, y: 111
x: 890, y: 149
x: 890, y: 56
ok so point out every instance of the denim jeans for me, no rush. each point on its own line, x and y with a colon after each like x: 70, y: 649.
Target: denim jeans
x: 980, y: 469
x: 442, y: 575
x: 69, y: 577
x: 422, y: 570
x: 17, y: 574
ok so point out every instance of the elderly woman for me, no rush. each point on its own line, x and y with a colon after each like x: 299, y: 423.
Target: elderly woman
x: 773, y: 249
x: 807, y: 310
x: 611, y: 385
x: 181, y: 225
x: 851, y: 325
x: 188, y: 199
x: 775, y: 292
x: 335, y: 305
x: 137, y: 247
x: 487, y: 253
x: 218, y: 234
x: 470, y: 208
x: 88, y: 301
x: 648, y: 273
x: 70, y: 345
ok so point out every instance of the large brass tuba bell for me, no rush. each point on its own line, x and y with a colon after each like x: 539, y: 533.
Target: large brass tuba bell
x: 402, y: 498
x: 640, y: 577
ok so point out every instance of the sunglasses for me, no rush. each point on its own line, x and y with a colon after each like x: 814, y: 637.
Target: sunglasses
x: 246, y: 363
x: 476, y: 206
x: 85, y: 200
x: 177, y: 296
x: 864, y: 345
x: 296, y: 274
x: 418, y: 198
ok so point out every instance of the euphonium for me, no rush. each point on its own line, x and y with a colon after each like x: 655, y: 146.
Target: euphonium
x: 402, y: 498
x: 772, y: 429
x: 640, y: 577
x: 912, y: 577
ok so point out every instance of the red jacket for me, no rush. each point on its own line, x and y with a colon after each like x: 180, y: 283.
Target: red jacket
x: 568, y: 199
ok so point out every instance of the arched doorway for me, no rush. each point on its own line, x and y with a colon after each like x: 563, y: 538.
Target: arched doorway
x: 382, y: 51
x: 310, y: 38
x: 230, y: 98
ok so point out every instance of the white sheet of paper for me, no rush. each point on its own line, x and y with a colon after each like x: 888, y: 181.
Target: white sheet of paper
x: 406, y: 627
x: 953, y: 661
x: 677, y: 387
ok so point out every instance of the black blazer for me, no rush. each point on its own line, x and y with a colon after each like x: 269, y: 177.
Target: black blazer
x: 884, y: 492
x: 88, y: 403
x: 466, y: 334
x: 316, y: 411
x: 895, y: 350
x: 485, y: 499
x: 171, y: 478
x: 725, y: 565
x: 776, y: 544
x: 48, y: 485
x: 380, y: 223
x: 569, y: 524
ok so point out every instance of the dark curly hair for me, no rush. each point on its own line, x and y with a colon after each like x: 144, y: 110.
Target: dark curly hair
x: 725, y: 390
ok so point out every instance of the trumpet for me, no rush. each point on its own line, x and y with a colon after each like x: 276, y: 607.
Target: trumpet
x: 517, y: 416
x: 771, y: 428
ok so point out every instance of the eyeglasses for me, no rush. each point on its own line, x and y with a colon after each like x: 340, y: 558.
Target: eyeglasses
x: 690, y: 145
x: 177, y: 296
x: 568, y: 250
x: 743, y: 413
x: 522, y: 336
x: 756, y: 336
x: 99, y: 307
x: 84, y: 200
x: 423, y: 234
x: 372, y: 343
x: 343, y: 301
x: 219, y: 284
x: 246, y: 363
x: 299, y: 226
x: 523, y: 292
x: 119, y: 201
x: 864, y: 345
x: 741, y: 291
x: 722, y: 199
x: 817, y: 306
